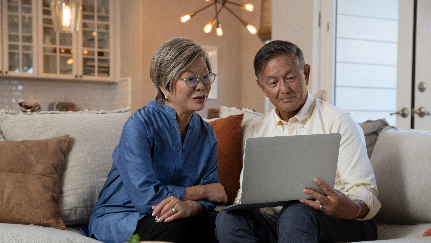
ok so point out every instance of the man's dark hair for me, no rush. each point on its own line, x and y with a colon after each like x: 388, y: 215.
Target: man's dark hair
x: 274, y: 49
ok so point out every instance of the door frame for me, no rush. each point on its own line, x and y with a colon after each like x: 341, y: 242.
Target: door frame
x: 406, y: 56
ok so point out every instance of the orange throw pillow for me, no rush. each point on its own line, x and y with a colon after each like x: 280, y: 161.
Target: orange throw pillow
x: 30, y: 185
x: 228, y: 132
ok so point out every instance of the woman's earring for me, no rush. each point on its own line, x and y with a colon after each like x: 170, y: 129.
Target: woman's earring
x: 166, y: 98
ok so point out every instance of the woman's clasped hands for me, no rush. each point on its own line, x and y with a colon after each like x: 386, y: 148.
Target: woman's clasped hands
x: 173, y: 208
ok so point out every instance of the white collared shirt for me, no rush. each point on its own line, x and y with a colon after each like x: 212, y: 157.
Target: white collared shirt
x: 355, y: 175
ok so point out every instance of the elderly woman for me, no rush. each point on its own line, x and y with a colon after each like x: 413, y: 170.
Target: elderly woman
x: 164, y: 182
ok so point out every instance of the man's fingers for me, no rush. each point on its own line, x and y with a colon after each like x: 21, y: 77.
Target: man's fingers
x: 325, y: 187
x: 311, y: 203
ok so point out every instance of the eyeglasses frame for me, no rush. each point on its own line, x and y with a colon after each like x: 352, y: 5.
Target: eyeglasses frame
x: 199, y: 79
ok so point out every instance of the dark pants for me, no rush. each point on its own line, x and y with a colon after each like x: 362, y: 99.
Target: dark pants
x: 295, y: 223
x: 194, y: 229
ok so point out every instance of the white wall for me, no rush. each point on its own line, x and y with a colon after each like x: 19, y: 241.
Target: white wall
x: 146, y: 26
x: 84, y: 94
x: 132, y: 47
x: 297, y: 21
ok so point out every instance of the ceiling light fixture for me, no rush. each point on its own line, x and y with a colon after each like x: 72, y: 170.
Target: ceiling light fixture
x: 66, y: 15
x: 208, y: 27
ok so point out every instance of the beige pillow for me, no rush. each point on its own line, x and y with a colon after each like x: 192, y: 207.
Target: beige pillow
x: 372, y: 129
x: 93, y: 137
x: 30, y: 173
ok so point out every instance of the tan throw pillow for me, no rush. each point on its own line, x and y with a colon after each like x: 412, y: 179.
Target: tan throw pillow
x: 93, y: 137
x: 228, y: 132
x: 30, y: 172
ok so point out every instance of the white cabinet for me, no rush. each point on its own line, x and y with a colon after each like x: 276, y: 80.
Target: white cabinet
x: 87, y: 54
x: 31, y: 47
x: 18, y: 38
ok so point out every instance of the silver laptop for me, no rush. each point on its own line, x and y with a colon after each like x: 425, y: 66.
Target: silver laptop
x: 277, y: 169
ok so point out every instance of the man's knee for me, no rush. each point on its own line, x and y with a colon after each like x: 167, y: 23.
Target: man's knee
x: 298, y: 210
x: 297, y: 213
x: 223, y: 220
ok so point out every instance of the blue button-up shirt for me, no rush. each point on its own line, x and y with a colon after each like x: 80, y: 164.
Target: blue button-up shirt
x: 151, y: 164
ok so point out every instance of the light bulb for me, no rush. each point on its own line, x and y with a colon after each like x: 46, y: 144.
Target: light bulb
x: 66, y: 16
x: 208, y: 27
x: 219, y: 30
x: 251, y: 28
x: 185, y: 18
x: 249, y: 7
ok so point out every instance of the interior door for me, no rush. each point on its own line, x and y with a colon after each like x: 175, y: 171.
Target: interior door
x: 422, y: 93
x: 413, y: 74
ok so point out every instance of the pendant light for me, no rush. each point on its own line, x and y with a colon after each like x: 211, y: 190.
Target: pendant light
x: 66, y: 15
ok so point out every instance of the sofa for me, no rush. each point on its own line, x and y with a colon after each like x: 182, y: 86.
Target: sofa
x: 54, y: 164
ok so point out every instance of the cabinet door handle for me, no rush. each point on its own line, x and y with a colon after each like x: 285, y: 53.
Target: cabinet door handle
x: 404, y: 112
x: 421, y: 111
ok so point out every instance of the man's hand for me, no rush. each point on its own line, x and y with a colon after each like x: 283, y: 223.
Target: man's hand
x: 336, y: 203
x: 215, y: 193
x: 212, y: 192
x: 172, y: 208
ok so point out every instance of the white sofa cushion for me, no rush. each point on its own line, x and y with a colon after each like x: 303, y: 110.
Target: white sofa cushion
x: 401, y: 163
x: 93, y: 137
x: 403, y: 232
x: 17, y: 233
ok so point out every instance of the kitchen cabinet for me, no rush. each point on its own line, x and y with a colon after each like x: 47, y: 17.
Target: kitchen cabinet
x: 87, y: 54
x: 31, y: 47
x: 18, y: 38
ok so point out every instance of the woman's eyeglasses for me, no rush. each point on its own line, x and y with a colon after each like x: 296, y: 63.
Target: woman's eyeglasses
x: 206, y: 79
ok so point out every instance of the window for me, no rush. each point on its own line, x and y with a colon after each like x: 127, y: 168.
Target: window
x: 365, y: 75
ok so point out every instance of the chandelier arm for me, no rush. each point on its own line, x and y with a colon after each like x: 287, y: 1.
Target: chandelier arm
x: 237, y: 4
x: 218, y: 11
x: 197, y: 11
x: 242, y: 21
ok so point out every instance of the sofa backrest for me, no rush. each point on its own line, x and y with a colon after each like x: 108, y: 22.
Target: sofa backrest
x: 402, y: 164
x: 93, y: 137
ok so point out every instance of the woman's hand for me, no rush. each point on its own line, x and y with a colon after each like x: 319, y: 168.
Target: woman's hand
x: 213, y: 192
x: 336, y: 203
x: 172, y: 208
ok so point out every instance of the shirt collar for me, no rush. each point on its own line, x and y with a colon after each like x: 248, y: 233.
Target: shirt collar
x: 170, y: 112
x: 162, y: 107
x: 302, y: 116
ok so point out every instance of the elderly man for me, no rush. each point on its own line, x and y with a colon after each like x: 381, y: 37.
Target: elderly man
x: 345, y: 213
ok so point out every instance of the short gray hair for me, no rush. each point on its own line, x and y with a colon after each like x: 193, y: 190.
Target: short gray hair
x: 274, y: 49
x: 172, y: 58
